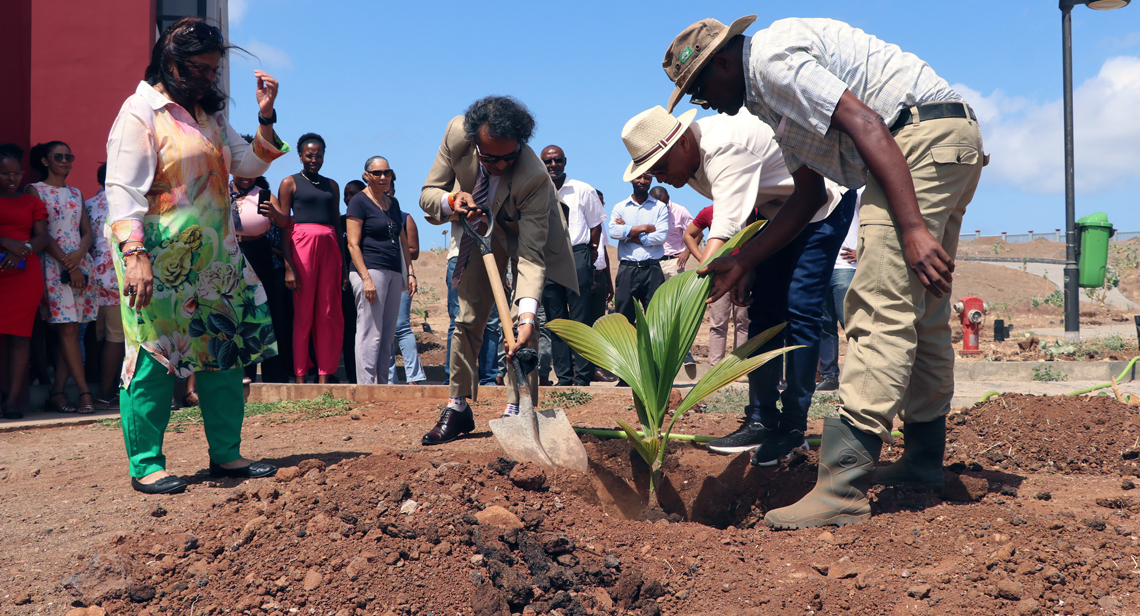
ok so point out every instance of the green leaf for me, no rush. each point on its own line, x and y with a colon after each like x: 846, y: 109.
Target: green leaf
x: 611, y: 343
x: 741, y: 238
x: 642, y: 447
x: 674, y: 318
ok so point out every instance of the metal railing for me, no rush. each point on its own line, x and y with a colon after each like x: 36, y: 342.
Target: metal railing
x: 1052, y: 236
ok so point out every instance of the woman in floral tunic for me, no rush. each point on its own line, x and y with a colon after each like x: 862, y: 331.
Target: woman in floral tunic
x: 191, y: 304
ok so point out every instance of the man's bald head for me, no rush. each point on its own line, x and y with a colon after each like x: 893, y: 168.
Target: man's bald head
x: 555, y: 160
x: 660, y: 194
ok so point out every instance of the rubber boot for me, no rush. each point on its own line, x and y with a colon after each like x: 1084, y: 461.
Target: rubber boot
x: 921, y: 461
x: 847, y: 458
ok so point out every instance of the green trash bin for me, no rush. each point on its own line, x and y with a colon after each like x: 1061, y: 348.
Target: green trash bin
x: 1093, y: 232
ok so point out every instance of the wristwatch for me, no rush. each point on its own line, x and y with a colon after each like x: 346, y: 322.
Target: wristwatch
x: 27, y: 245
x: 527, y: 321
x: 267, y: 121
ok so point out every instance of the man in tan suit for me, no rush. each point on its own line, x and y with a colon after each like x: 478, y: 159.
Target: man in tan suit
x: 484, y: 160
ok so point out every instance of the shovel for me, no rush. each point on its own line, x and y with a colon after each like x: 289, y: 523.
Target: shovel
x: 545, y: 438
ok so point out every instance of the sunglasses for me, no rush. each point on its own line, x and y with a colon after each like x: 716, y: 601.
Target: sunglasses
x: 554, y: 161
x: 205, y: 33
x: 63, y: 158
x: 490, y: 160
x: 379, y: 173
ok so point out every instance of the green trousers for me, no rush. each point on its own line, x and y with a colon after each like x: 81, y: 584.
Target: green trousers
x: 144, y: 409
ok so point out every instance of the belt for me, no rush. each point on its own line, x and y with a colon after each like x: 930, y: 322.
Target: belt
x: 645, y: 263
x: 933, y: 111
x: 581, y: 247
x: 250, y: 238
x: 667, y: 257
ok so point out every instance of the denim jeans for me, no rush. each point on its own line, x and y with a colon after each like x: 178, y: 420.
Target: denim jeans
x: 413, y: 371
x: 833, y: 316
x: 790, y: 287
x: 452, y: 312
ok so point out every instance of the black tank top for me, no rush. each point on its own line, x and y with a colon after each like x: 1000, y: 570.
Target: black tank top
x: 314, y: 203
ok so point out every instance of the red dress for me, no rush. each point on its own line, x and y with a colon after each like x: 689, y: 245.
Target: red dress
x: 22, y: 289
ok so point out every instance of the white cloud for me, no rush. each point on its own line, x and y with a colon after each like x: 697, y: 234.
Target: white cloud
x: 1026, y: 138
x: 237, y: 11
x: 271, y: 57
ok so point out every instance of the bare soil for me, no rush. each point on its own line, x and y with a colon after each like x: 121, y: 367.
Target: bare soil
x: 1037, y: 517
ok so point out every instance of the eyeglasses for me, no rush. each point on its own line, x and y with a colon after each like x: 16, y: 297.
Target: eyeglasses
x: 490, y: 160
x: 60, y: 157
x: 203, y: 69
x: 554, y: 161
x: 379, y: 173
x: 659, y: 166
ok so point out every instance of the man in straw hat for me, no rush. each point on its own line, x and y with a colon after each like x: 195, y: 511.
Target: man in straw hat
x: 733, y: 161
x: 847, y: 106
x: 485, y: 165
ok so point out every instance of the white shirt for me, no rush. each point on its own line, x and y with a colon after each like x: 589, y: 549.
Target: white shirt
x: 600, y: 263
x: 586, y: 210
x: 742, y: 168
x: 852, y: 239
x: 798, y: 68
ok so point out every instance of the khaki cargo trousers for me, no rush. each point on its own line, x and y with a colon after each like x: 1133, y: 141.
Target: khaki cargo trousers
x: 899, y: 357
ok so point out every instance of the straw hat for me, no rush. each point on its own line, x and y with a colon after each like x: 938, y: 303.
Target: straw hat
x: 691, y: 50
x: 649, y: 135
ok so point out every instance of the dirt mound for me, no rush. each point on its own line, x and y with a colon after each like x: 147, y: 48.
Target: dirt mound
x: 1081, y: 435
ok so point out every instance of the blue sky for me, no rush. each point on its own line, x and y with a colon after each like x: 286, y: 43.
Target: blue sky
x: 385, y: 78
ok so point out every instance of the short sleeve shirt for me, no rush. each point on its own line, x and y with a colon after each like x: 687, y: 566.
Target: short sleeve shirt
x: 586, y: 210
x: 380, y: 232
x: 797, y: 69
x: 704, y: 218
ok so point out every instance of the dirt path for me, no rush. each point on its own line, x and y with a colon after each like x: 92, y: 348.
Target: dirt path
x: 1035, y: 519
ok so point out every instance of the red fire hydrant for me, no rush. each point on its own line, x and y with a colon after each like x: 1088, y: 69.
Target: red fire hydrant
x: 972, y: 311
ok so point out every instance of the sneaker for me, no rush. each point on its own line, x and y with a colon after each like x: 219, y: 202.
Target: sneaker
x: 512, y: 410
x: 689, y: 361
x: 827, y: 384
x: 779, y: 446
x: 750, y: 435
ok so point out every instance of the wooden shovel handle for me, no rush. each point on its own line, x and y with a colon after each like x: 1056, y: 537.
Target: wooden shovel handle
x: 500, y: 298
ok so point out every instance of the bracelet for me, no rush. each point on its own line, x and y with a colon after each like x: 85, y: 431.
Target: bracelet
x: 526, y: 322
x: 412, y: 276
x: 135, y: 251
x: 264, y: 121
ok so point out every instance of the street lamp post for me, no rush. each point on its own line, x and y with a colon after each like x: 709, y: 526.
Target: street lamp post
x: 1072, y: 291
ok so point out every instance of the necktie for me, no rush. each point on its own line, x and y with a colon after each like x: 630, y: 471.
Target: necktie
x: 482, y: 187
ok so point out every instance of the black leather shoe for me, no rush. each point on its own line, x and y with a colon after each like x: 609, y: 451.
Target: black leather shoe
x: 253, y: 471
x: 167, y: 485
x: 451, y: 424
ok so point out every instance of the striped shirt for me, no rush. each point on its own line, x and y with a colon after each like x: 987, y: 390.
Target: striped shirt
x: 796, y: 70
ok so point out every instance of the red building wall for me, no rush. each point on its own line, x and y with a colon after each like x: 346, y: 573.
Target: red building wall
x: 15, y: 93
x: 86, y: 58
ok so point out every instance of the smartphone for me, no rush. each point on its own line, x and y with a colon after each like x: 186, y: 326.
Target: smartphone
x: 23, y: 263
x: 263, y: 204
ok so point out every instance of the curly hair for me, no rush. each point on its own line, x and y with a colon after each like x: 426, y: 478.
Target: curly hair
x: 182, y: 40
x: 39, y: 152
x: 308, y: 138
x: 504, y: 116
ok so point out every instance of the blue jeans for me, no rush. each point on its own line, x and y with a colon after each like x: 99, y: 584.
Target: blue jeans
x: 452, y: 312
x: 407, y: 341
x: 833, y: 315
x: 790, y: 287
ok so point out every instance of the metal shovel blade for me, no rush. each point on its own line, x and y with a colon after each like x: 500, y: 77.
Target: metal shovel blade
x: 518, y: 438
x: 559, y: 440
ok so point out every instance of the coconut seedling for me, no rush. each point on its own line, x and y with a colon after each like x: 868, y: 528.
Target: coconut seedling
x: 649, y: 356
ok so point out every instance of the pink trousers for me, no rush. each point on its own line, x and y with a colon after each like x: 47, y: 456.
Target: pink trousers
x: 316, y: 303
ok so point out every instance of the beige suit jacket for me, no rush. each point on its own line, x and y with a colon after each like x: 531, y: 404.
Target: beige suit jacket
x: 528, y: 218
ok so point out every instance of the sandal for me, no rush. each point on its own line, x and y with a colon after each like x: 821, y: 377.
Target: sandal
x: 51, y: 406
x: 186, y: 399
x: 107, y: 404
x: 86, y: 409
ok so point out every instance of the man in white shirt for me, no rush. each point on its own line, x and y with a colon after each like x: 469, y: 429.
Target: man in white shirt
x: 584, y: 215
x: 853, y: 108
x: 733, y: 161
x: 639, y: 224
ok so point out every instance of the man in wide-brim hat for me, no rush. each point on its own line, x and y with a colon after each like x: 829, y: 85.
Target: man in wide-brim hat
x: 847, y: 106
x: 733, y: 161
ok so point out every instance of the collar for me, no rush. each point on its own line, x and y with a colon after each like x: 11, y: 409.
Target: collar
x: 649, y: 201
x: 745, y: 58
x: 152, y: 97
